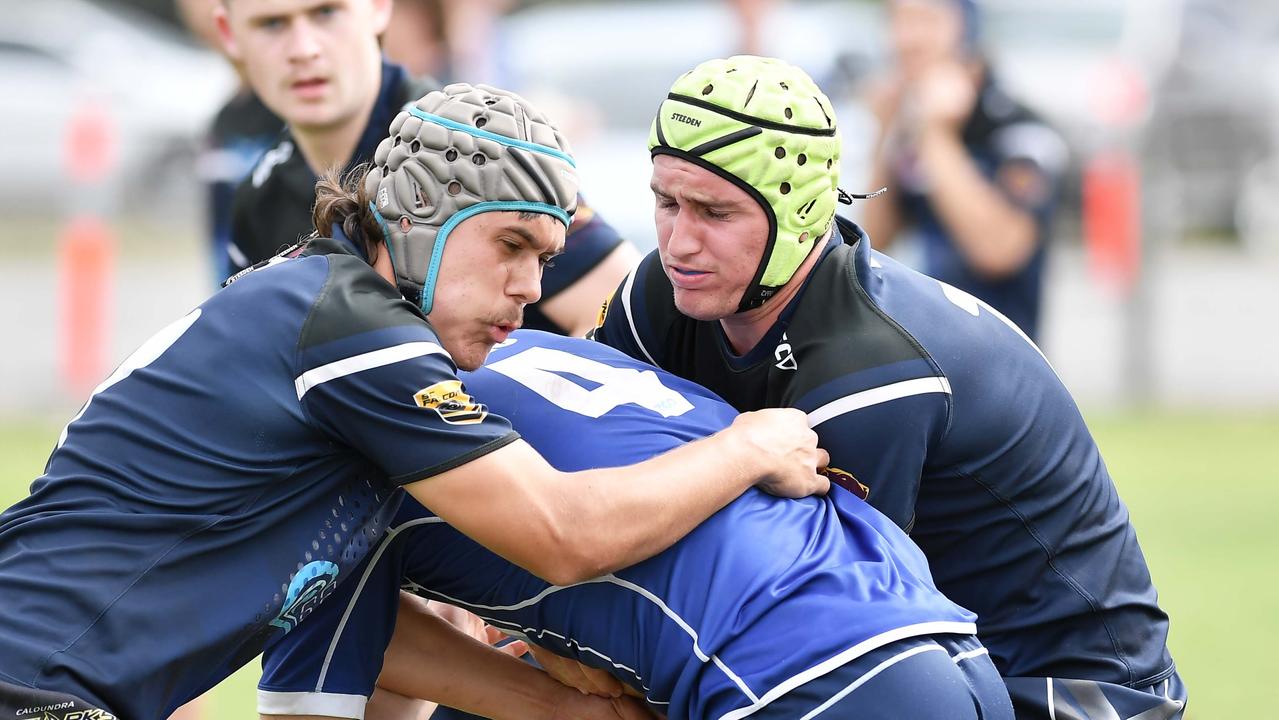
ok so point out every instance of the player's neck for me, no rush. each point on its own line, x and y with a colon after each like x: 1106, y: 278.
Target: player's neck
x: 744, y: 330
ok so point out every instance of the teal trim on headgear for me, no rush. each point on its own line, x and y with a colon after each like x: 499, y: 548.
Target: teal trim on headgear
x: 437, y: 252
x: 502, y: 139
x: 436, y: 168
x: 386, y: 234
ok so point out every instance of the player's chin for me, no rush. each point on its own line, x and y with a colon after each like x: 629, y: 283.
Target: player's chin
x: 473, y: 355
x: 701, y: 305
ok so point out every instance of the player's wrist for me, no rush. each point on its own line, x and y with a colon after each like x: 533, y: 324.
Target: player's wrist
x: 735, y: 450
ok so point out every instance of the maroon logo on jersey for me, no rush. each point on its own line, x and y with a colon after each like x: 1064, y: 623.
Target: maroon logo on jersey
x: 845, y: 479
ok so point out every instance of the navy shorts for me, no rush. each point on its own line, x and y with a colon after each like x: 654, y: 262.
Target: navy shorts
x: 939, y: 677
x: 1041, y: 698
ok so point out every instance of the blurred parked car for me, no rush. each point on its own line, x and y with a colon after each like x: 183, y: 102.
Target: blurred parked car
x: 129, y: 77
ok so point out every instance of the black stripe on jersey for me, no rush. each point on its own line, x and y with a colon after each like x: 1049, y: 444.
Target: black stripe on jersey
x: 456, y: 462
x: 868, y: 337
x: 355, y: 299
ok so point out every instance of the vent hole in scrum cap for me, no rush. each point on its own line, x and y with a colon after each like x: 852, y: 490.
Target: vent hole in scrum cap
x: 397, y: 141
x: 801, y: 159
x: 479, y: 159
x: 785, y: 188
x: 779, y: 153
x: 415, y: 146
x: 481, y: 122
x: 450, y: 154
x: 455, y: 187
x: 708, y: 89
x: 787, y: 112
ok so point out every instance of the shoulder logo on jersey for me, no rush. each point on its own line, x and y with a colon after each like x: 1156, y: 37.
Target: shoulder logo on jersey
x: 784, y: 355
x: 845, y: 479
x: 449, y: 401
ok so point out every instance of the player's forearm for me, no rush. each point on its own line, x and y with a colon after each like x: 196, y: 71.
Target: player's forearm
x: 430, y: 659
x: 569, y: 527
x: 617, y: 517
x: 995, y: 237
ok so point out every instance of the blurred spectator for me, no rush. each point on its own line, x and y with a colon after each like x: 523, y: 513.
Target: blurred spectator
x: 752, y: 16
x: 972, y: 173
x: 320, y: 68
x: 453, y: 40
x: 241, y: 132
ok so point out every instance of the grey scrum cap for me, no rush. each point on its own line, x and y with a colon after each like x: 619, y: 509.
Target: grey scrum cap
x: 453, y: 154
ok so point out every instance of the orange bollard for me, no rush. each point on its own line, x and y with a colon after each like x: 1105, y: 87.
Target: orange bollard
x: 1112, y: 219
x: 86, y: 253
x: 86, y: 249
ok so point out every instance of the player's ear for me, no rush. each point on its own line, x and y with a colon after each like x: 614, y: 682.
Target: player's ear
x: 381, y: 15
x: 222, y: 22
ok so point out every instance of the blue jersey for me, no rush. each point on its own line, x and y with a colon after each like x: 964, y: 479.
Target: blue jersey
x: 214, y: 489
x: 959, y: 430
x: 762, y: 597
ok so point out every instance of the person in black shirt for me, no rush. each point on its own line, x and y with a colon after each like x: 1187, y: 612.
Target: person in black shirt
x: 972, y: 173
x: 318, y: 66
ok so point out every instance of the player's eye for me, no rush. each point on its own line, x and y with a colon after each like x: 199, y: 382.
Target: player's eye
x: 271, y: 24
x: 717, y: 214
x: 324, y: 12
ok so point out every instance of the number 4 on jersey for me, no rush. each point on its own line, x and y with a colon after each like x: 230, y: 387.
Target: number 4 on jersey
x: 537, y: 369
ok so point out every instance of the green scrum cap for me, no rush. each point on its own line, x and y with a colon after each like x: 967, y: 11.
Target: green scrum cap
x: 764, y: 125
x: 456, y: 153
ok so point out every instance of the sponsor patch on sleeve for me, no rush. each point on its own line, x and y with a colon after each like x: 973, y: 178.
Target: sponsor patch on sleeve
x: 451, y: 403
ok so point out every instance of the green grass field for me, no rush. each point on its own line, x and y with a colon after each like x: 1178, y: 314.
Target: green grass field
x: 1202, y: 489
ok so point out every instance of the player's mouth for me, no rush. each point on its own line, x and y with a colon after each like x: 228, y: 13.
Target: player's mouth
x: 309, y: 88
x: 687, y: 278
x: 498, y: 332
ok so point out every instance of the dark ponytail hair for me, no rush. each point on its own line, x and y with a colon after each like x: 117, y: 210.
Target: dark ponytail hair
x: 342, y: 200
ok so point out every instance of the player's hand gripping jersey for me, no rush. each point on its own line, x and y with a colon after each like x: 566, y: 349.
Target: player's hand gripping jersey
x: 220, y: 483
x: 960, y: 431
x: 762, y: 597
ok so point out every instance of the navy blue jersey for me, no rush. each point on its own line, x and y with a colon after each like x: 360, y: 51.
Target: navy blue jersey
x: 764, y: 596
x: 959, y: 429
x: 223, y: 479
x: 1023, y: 158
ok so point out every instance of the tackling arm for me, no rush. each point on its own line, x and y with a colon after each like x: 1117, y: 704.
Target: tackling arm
x: 570, y: 527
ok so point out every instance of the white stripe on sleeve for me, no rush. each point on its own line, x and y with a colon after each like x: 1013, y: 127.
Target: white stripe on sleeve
x: 875, y: 396
x: 365, y: 361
